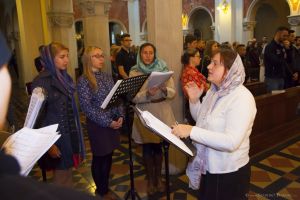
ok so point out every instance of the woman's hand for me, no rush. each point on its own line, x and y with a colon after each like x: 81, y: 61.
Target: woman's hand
x: 54, y: 152
x: 117, y: 124
x: 152, y: 91
x: 182, y: 130
x: 193, y: 91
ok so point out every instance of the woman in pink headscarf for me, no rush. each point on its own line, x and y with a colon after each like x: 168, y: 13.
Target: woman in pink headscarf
x: 224, y: 123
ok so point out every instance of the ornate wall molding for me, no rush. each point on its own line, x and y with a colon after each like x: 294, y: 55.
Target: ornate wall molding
x: 88, y: 7
x: 144, y: 36
x: 249, y: 25
x: 61, y: 19
x: 107, y: 8
x: 294, y: 20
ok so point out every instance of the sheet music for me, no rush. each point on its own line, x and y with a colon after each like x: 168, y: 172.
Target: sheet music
x: 111, y: 93
x: 126, y: 88
x: 36, y: 102
x: 157, y: 78
x: 165, y: 131
x: 28, y: 145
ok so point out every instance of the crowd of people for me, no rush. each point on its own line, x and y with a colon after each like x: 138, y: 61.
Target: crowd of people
x: 212, y: 80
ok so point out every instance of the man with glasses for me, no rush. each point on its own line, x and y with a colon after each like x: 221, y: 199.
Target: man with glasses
x: 125, y: 58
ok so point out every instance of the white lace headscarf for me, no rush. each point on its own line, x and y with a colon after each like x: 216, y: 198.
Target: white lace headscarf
x: 234, y: 78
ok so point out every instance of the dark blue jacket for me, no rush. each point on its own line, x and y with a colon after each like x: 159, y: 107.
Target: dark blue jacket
x: 57, y: 110
x: 275, y: 60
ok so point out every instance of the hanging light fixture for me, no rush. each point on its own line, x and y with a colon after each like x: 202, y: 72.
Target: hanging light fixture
x: 223, y: 6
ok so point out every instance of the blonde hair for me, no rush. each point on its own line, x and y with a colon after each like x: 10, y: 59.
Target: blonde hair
x: 87, y: 66
x: 56, y: 47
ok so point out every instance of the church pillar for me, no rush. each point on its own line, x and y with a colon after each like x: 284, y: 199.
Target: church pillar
x: 61, y: 18
x: 248, y: 28
x: 294, y: 21
x: 164, y: 23
x: 27, y: 37
x: 96, y: 26
x: 134, y: 21
x: 238, y: 19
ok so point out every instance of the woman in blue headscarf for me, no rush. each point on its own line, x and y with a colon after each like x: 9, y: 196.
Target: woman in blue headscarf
x: 60, y: 108
x: 157, y: 101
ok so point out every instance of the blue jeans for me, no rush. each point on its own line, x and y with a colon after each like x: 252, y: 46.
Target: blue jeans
x: 274, y: 84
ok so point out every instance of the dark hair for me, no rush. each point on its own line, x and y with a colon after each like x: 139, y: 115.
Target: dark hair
x: 189, y: 39
x: 146, y: 45
x: 291, y: 31
x: 227, y: 56
x: 240, y: 45
x: 208, y: 50
x: 124, y: 36
x: 282, y: 28
x: 41, y: 47
x: 297, y: 37
x: 185, y: 58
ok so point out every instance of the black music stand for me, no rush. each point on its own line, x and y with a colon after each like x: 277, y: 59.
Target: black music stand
x: 166, y: 143
x: 126, y: 91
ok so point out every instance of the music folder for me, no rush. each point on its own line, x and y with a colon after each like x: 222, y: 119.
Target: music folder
x: 37, y: 99
x: 28, y: 145
x: 164, y: 131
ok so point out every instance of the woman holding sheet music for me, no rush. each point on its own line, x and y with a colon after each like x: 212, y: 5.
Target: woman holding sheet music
x: 224, y: 123
x: 102, y: 124
x: 156, y: 101
x: 60, y: 108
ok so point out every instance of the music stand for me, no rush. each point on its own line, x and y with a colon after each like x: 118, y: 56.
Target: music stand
x: 166, y: 143
x: 127, y: 90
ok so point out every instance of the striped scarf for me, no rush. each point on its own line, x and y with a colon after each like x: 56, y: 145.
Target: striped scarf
x: 234, y: 78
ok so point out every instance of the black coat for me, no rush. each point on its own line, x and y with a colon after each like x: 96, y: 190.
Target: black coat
x: 57, y: 110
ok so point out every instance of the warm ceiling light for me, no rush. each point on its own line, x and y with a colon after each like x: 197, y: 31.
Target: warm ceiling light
x: 223, y: 6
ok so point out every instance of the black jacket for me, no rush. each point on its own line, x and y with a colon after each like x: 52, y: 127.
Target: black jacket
x: 275, y: 60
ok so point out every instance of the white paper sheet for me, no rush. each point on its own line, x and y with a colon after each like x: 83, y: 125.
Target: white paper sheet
x: 164, y: 130
x: 158, y: 78
x: 28, y: 145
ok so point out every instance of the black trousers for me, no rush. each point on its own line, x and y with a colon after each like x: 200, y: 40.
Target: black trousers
x: 101, y: 166
x: 233, y: 186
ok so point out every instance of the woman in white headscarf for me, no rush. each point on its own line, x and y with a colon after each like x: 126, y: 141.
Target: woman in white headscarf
x: 224, y: 123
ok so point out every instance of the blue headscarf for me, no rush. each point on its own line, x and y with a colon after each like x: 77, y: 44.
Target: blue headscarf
x: 66, y: 81
x: 61, y: 75
x: 156, y: 66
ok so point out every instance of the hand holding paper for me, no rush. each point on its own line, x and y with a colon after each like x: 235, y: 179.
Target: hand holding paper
x: 28, y: 145
x: 162, y: 130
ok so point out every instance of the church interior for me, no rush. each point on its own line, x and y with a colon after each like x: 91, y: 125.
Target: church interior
x: 275, y: 137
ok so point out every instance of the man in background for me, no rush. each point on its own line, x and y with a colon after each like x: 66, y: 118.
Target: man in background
x: 275, y: 60
x: 125, y: 59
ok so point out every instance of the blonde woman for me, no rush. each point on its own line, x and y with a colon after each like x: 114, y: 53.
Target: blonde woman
x: 102, y: 125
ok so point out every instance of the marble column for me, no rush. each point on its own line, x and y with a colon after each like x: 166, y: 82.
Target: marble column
x: 248, y: 27
x: 238, y: 18
x: 28, y: 36
x: 134, y: 21
x: 96, y: 26
x: 294, y: 21
x: 61, y: 18
x: 165, y: 32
